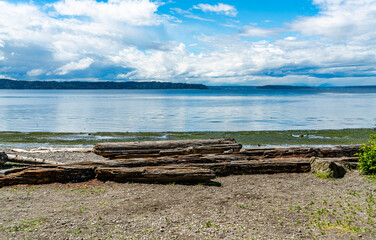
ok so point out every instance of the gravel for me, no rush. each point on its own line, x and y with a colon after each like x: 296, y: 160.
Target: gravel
x: 277, y: 206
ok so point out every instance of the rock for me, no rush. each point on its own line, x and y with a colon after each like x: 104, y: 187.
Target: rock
x: 327, y: 168
x: 3, y: 158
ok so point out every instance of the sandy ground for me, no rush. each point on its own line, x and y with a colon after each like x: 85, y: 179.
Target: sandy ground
x: 279, y: 206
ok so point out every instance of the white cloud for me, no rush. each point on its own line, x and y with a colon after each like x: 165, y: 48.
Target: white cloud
x: 199, y: 18
x: 74, y: 66
x: 341, y: 20
x: 134, y: 12
x: 35, y: 72
x: 189, y: 14
x: 290, y: 38
x: 219, y: 8
x: 242, y: 62
x: 70, y: 35
x: 93, y: 29
x: 154, y: 64
x: 250, y: 31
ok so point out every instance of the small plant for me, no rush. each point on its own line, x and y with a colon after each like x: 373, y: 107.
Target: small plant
x: 208, y: 224
x: 298, y: 208
x: 367, y: 156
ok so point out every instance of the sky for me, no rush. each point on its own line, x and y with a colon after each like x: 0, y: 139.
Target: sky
x: 297, y: 42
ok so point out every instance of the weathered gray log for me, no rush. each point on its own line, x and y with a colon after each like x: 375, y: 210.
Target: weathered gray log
x: 45, y: 175
x: 229, y: 162
x: 51, y: 150
x: 264, y: 166
x: 28, y: 160
x: 171, y: 160
x: 220, y: 168
x: 337, y: 151
x: 166, y: 148
x: 174, y: 161
x: 350, y: 162
x: 160, y: 174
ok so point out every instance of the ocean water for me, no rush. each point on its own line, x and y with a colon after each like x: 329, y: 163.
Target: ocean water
x: 185, y: 110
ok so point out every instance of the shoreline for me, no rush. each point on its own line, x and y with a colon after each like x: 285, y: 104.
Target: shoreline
x: 326, y: 137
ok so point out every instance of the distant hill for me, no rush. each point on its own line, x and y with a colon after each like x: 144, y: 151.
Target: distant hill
x: 243, y: 88
x: 18, y: 84
x: 362, y: 87
x: 283, y: 87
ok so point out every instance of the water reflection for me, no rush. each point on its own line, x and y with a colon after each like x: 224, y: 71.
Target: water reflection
x: 181, y: 110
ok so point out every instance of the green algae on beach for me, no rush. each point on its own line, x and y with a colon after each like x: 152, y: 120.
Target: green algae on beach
x: 253, y: 138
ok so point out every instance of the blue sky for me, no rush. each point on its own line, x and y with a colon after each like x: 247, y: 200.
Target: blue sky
x: 212, y: 42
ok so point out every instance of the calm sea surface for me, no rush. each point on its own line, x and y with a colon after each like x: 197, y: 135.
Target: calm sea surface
x: 184, y: 110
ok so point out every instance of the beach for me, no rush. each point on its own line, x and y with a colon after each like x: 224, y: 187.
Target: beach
x: 259, y: 206
x: 279, y: 206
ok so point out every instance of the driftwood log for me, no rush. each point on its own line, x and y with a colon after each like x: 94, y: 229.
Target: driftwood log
x: 179, y: 173
x: 337, y: 151
x: 189, y: 161
x: 159, y: 174
x: 51, y: 150
x: 27, y: 160
x: 43, y: 175
x: 166, y: 148
x: 24, y: 160
x: 80, y: 173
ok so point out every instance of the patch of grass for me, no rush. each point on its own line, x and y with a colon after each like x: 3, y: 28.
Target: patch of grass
x: 324, y: 174
x: 354, y: 214
x: 82, y: 209
x: 27, y: 224
x: 371, y: 178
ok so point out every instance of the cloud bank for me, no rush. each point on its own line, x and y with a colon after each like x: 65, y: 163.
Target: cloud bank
x: 133, y: 40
